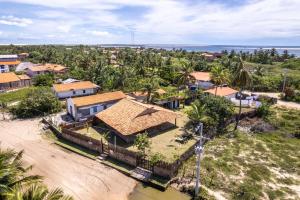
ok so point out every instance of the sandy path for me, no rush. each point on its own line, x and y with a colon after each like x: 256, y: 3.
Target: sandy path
x: 79, y: 176
x: 280, y: 103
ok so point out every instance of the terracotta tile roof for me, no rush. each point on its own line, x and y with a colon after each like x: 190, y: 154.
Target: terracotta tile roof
x: 8, y: 77
x: 129, y: 117
x: 222, y: 91
x: 74, y: 86
x: 47, y: 67
x: 98, y: 98
x: 10, y: 62
x: 201, y: 76
x: 24, y: 77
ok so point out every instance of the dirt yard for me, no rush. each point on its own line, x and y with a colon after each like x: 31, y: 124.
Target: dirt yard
x: 78, y: 176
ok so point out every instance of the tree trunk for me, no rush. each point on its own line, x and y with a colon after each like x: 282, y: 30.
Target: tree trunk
x: 216, y: 91
x: 240, y: 110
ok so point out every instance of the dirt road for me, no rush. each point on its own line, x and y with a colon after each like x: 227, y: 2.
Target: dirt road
x: 280, y: 103
x: 80, y: 177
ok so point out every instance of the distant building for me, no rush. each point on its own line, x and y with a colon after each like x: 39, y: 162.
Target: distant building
x: 23, y: 55
x: 8, y: 62
x: 208, y: 56
x: 75, y: 89
x: 10, y: 81
x: 24, y: 66
x: 201, y: 80
x: 24, y: 80
x: 46, y: 69
x: 84, y: 107
x: 127, y: 118
x: 226, y: 92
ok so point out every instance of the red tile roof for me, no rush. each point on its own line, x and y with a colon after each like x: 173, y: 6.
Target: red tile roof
x: 8, y: 77
x: 74, y: 86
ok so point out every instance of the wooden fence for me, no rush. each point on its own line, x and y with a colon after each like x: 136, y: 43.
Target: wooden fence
x: 160, y: 168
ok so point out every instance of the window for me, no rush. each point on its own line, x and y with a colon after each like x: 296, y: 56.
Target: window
x: 83, y: 91
x: 74, y: 92
x: 104, y: 107
x: 95, y: 109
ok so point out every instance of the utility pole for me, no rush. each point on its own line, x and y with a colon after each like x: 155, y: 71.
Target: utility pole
x: 284, y: 80
x: 198, y: 152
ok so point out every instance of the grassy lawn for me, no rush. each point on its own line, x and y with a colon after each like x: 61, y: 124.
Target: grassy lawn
x: 14, y: 96
x: 92, y: 132
x: 253, y: 166
x: 165, y: 144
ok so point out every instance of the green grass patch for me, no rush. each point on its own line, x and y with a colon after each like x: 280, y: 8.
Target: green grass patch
x: 14, y: 96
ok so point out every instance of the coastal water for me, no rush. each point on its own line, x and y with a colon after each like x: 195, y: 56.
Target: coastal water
x: 144, y: 192
x: 219, y: 48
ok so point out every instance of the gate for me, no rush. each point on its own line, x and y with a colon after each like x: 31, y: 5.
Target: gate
x: 144, y: 163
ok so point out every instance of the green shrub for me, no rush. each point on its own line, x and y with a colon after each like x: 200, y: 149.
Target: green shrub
x: 263, y: 110
x: 43, y: 80
x: 38, y: 102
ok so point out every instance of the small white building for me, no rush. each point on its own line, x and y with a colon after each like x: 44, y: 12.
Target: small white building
x: 84, y: 107
x: 8, y: 63
x: 201, y: 80
x: 75, y: 89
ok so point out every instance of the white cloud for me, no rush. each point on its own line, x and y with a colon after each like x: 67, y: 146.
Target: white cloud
x: 99, y: 33
x: 165, y: 21
x: 15, y: 21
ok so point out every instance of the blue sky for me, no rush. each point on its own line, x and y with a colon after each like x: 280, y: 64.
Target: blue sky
x: 197, y: 22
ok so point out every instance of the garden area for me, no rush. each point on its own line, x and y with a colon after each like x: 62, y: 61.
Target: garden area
x: 165, y: 144
x: 261, y: 164
x: 15, y: 95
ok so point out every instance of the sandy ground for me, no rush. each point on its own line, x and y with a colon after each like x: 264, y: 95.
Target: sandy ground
x: 78, y: 176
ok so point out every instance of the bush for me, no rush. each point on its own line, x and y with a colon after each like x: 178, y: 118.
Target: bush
x: 263, y: 110
x: 43, y: 80
x: 38, y: 102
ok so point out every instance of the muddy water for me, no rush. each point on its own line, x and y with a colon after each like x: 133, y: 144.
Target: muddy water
x: 144, y: 192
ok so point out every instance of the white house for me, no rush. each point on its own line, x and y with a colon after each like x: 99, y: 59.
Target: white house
x: 201, y: 80
x: 84, y: 107
x: 8, y: 62
x: 75, y: 89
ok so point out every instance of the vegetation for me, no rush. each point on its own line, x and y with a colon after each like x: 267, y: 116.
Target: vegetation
x: 44, y: 80
x: 213, y: 112
x: 142, y: 143
x: 253, y: 166
x: 242, y: 79
x: 16, y: 183
x: 14, y: 96
x: 38, y: 102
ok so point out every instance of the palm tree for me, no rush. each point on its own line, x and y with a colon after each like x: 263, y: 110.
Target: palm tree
x: 12, y: 172
x: 149, y: 85
x: 242, y: 79
x: 37, y: 192
x: 219, y: 76
x: 197, y: 112
x: 185, y: 76
x: 15, y: 184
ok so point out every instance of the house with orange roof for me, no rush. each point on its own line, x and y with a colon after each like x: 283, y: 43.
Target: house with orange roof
x: 10, y: 81
x: 201, y: 80
x: 48, y: 68
x: 127, y: 118
x: 226, y: 92
x: 8, y: 62
x: 74, y: 89
x: 83, y: 107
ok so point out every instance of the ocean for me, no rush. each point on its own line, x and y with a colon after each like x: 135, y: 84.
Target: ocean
x: 218, y: 48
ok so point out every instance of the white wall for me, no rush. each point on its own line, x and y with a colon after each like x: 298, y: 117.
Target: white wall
x: 204, y: 84
x: 76, y: 111
x: 68, y: 94
x: 4, y: 68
